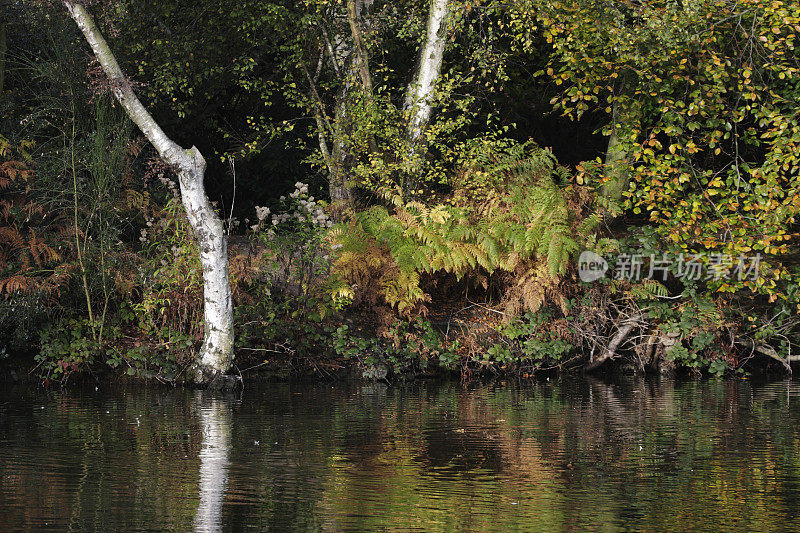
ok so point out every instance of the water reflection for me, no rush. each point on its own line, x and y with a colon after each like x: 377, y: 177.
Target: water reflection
x: 572, y: 454
x: 215, y: 421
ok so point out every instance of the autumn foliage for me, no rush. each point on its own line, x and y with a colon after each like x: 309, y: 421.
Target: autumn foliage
x: 29, y: 260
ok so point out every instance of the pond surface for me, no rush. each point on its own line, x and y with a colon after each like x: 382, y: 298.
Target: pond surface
x: 562, y: 455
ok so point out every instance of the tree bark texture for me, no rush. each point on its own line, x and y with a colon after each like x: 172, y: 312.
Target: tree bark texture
x: 419, y: 101
x: 216, y: 355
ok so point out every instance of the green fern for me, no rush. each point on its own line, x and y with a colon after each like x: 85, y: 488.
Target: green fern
x: 524, y: 217
x: 648, y: 289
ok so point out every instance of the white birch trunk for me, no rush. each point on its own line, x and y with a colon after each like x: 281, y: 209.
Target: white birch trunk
x: 215, y: 421
x: 347, y: 69
x: 419, y: 101
x: 216, y: 354
x: 420, y: 97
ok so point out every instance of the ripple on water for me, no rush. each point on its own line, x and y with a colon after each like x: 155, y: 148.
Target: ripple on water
x: 571, y: 454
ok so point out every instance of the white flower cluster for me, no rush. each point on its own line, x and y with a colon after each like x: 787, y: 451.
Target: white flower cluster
x: 262, y: 213
x: 299, y: 189
x: 143, y: 232
x: 308, y: 210
x: 313, y: 212
x: 233, y: 223
x: 309, y: 207
x: 169, y: 184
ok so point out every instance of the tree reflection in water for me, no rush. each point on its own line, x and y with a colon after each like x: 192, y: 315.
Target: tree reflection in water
x: 215, y: 421
x: 568, y: 454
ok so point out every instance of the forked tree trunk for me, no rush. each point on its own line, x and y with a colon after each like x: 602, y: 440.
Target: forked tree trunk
x: 419, y: 101
x: 361, y: 61
x: 341, y: 195
x: 337, y: 157
x: 351, y: 64
x: 216, y: 354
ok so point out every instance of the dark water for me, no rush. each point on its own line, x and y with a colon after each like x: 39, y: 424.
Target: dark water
x: 564, y: 455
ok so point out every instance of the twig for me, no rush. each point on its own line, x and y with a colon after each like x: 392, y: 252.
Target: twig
x: 232, y: 163
x: 611, y: 350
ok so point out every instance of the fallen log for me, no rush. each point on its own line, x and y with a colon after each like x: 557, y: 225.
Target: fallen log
x: 769, y: 351
x: 610, y: 350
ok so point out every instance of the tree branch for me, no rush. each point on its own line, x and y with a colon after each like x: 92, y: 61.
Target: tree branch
x: 120, y: 86
x: 610, y: 350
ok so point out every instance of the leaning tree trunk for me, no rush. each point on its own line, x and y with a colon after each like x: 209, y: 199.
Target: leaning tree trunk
x: 420, y: 95
x: 360, y: 51
x: 216, y: 354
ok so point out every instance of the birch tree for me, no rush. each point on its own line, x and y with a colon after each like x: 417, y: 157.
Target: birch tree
x: 419, y: 101
x: 216, y: 354
x: 341, y: 55
x: 334, y: 157
x: 347, y: 55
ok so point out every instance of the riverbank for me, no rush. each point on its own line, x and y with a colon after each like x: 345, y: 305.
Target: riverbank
x: 468, y: 343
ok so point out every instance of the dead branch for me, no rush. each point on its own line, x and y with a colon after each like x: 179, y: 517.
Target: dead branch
x: 610, y: 350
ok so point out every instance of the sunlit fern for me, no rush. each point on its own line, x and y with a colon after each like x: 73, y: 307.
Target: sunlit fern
x: 524, y: 227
